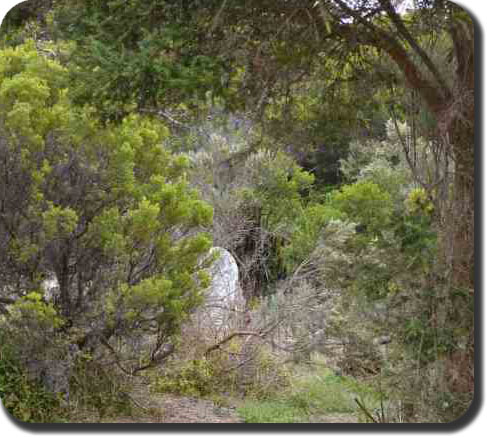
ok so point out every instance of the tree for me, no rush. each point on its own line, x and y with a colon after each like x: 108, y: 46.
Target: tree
x: 136, y: 55
x: 267, y: 47
x: 104, y: 212
x: 451, y: 104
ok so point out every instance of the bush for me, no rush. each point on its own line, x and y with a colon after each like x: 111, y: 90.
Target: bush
x: 306, y: 231
x: 110, y: 191
x: 193, y: 378
x: 265, y: 377
x: 98, y: 389
x: 323, y: 393
x: 23, y: 398
x: 367, y: 204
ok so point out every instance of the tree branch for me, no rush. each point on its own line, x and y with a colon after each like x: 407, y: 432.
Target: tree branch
x: 229, y: 338
x: 399, y: 23
x: 6, y: 301
x: 364, y: 410
x: 376, y: 37
x: 162, y: 114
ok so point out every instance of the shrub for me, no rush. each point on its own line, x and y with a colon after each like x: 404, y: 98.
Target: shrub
x: 323, y: 393
x: 24, y: 398
x: 103, y: 209
x: 95, y: 388
x: 365, y: 203
x: 192, y: 377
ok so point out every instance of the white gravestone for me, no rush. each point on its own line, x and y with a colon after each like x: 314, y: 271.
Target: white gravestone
x: 224, y: 302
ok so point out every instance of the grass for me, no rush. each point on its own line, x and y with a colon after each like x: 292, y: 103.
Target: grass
x: 317, y: 394
x: 280, y: 411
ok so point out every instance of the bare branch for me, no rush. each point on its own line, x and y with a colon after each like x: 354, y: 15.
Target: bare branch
x: 229, y: 338
x: 262, y: 335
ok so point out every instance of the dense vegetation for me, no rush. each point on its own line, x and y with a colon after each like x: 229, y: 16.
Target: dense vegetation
x: 328, y: 145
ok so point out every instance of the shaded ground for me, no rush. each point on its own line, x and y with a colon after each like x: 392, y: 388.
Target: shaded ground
x: 333, y: 418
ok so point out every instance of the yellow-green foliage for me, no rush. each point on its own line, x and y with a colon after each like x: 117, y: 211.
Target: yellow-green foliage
x: 98, y: 390
x: 31, y: 308
x: 192, y: 377
x: 221, y: 373
x: 418, y: 202
x: 267, y: 376
x: 110, y: 190
x: 366, y: 203
x: 58, y: 221
x: 318, y: 393
x: 277, y: 186
x: 306, y: 231
x: 271, y: 411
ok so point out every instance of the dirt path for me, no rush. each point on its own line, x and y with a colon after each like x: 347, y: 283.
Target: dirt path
x: 334, y: 418
x: 169, y: 408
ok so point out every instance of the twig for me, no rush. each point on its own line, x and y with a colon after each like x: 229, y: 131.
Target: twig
x: 239, y: 365
x: 166, y: 116
x: 364, y: 410
x: 115, y: 355
x: 136, y: 403
x: 214, y: 24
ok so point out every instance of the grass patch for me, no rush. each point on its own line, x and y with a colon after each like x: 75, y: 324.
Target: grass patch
x: 322, y: 393
x: 325, y: 393
x: 279, y: 411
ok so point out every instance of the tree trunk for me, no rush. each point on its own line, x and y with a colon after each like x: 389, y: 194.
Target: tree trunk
x: 462, y: 137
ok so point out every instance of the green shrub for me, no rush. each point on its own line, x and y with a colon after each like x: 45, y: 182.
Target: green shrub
x: 306, y: 232
x: 365, y: 203
x: 266, y: 377
x: 25, y: 399
x: 120, y: 211
x: 93, y: 387
x: 193, y: 378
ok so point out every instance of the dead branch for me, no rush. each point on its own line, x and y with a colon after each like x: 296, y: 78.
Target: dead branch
x: 262, y: 335
x: 229, y: 338
x: 364, y: 410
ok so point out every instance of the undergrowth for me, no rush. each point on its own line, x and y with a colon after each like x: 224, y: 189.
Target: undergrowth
x: 313, y: 395
x: 23, y: 398
x: 97, y: 390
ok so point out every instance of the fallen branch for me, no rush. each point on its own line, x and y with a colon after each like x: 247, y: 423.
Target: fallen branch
x: 230, y: 337
x: 261, y: 335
